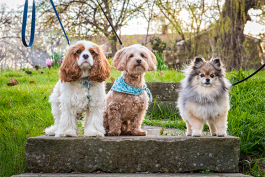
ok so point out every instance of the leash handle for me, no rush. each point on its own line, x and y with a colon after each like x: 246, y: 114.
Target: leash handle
x: 68, y: 41
x: 24, y: 24
x: 111, y: 25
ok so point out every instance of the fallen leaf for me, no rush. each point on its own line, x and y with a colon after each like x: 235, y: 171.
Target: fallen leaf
x: 28, y: 72
x: 41, y: 72
x: 32, y: 82
x: 12, y: 82
x: 112, y: 79
x: 44, y: 98
x: 161, y: 73
x: 10, y: 103
x: 162, y: 131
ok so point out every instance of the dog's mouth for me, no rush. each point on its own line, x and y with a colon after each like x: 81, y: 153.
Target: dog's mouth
x: 207, y: 84
x: 139, y: 68
x: 85, y: 65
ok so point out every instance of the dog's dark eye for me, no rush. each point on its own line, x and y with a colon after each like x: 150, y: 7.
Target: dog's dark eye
x: 202, y: 75
x: 131, y: 55
x: 142, y: 55
x: 212, y: 76
x: 92, y: 52
x: 79, y: 51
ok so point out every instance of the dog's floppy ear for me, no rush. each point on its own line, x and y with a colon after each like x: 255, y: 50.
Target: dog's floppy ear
x: 119, y: 60
x: 152, y: 59
x: 216, y: 62
x: 198, y: 61
x: 69, y: 70
x: 100, y: 70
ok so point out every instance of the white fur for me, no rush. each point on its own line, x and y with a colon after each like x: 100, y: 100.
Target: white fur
x: 81, y: 59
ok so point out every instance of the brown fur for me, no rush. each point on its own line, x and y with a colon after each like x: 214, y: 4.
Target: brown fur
x: 70, y: 71
x: 100, y: 71
x: 124, y: 113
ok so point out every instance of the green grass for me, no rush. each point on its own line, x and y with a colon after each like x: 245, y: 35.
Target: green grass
x: 25, y: 112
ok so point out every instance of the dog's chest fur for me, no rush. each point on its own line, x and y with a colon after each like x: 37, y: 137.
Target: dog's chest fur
x: 208, y: 110
x: 80, y: 97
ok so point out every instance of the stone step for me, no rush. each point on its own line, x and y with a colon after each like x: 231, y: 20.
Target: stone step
x: 161, y: 90
x: 131, y: 175
x: 131, y: 154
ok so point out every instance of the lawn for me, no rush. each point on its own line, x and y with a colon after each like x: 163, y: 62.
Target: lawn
x: 25, y: 112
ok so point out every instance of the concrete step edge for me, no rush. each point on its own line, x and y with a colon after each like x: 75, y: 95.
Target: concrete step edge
x: 130, y: 175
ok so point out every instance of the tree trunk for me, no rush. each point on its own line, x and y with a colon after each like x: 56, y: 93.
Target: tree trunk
x: 147, y: 31
x: 113, y: 43
x: 231, y: 31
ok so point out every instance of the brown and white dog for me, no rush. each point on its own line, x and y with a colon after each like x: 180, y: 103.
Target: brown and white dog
x: 124, y: 113
x: 81, y: 88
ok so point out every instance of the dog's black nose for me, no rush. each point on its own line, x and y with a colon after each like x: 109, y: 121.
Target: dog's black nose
x: 85, y: 56
x: 138, y: 61
x: 207, y: 80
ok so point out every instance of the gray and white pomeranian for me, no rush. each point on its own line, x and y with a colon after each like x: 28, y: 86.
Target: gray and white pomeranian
x: 204, y: 97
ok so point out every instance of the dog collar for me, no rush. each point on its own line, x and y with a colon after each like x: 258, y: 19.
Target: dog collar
x: 85, y: 82
x: 120, y: 86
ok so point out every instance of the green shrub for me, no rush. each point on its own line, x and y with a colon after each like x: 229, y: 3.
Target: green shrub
x: 160, y: 66
x: 158, y: 45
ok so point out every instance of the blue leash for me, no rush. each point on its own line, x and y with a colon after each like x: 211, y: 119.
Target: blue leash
x: 24, y: 24
x: 68, y: 41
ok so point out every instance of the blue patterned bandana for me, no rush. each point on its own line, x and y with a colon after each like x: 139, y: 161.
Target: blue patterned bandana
x: 120, y: 86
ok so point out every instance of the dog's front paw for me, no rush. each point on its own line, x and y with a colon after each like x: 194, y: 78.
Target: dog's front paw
x: 139, y: 133
x: 214, y: 134
x: 188, y: 134
x: 50, y: 131
x: 127, y: 132
x: 114, y: 133
x: 67, y: 133
x: 221, y: 135
x: 94, y: 133
x: 196, y: 135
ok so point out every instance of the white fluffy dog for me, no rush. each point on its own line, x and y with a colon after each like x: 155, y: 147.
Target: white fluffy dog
x: 81, y: 88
